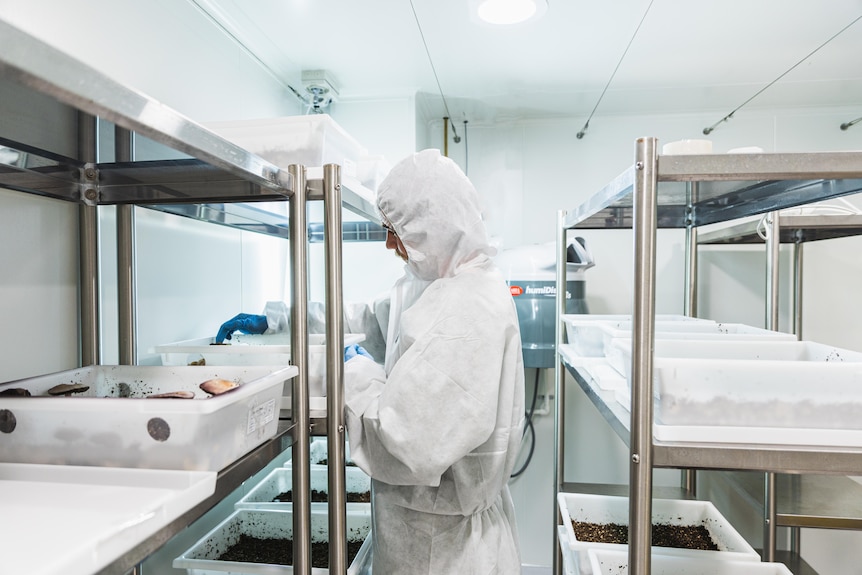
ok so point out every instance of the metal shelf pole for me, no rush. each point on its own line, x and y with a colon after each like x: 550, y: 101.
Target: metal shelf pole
x: 689, y: 476
x: 335, y: 434
x: 88, y: 233
x: 643, y: 334
x: 126, y: 312
x: 299, y: 410
x: 559, y: 387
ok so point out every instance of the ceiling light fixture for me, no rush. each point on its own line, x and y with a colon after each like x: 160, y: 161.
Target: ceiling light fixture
x: 508, y: 12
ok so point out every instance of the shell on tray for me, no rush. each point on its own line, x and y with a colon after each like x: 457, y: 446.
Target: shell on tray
x: 68, y: 389
x: 218, y: 386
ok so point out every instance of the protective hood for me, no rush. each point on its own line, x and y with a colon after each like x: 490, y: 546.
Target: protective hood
x: 434, y: 209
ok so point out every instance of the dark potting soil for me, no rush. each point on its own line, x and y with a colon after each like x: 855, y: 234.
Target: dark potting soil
x: 347, y: 463
x: 280, y: 551
x: 663, y: 535
x: 318, y: 496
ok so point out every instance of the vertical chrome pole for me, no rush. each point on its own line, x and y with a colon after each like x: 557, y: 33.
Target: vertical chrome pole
x: 689, y: 476
x: 299, y: 409
x: 643, y: 334
x: 335, y: 371
x: 559, y: 393
x: 773, y: 243
x: 88, y: 242
x: 797, y: 287
x: 126, y: 318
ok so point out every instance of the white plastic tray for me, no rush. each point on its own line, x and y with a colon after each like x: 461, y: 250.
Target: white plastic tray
x: 613, y: 509
x: 616, y: 563
x: 821, y: 389
x: 589, y: 333
x: 263, y: 349
x: 280, y: 480
x: 70, y: 520
x: 202, y: 557
x: 311, y: 140
x: 598, y: 369
x: 114, y: 424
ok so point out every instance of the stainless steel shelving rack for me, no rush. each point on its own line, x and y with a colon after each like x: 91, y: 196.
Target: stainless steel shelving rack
x: 687, y: 192
x: 49, y: 106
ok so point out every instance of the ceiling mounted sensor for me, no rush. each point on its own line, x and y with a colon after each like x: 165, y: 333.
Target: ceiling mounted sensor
x: 507, y: 12
x: 321, y: 90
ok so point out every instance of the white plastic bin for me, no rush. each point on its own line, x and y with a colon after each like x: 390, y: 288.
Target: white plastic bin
x: 613, y: 509
x: 245, y: 349
x: 588, y: 333
x: 619, y: 352
x: 604, y: 562
x: 312, y: 140
x: 203, y: 557
x: 115, y: 424
x: 819, y: 387
x: 262, y: 496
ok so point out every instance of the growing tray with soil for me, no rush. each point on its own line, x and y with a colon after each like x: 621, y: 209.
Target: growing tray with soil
x: 663, y: 535
x: 252, y: 549
x: 318, y: 496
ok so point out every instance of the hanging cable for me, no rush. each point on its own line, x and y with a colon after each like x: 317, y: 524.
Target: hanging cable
x: 529, y: 426
x: 434, y: 70
x: 466, y: 152
x: 602, y: 95
x: 844, y: 126
x: 709, y: 129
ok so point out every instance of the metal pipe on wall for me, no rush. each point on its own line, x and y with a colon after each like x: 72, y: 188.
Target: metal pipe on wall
x: 335, y: 430
x: 299, y: 409
x: 643, y: 334
x: 126, y: 301
x: 88, y: 242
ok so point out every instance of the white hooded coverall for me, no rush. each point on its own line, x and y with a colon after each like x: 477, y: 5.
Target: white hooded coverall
x: 439, y: 427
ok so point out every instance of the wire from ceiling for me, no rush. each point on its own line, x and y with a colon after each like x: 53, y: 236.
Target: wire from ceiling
x: 434, y: 70
x: 709, y: 129
x: 583, y: 131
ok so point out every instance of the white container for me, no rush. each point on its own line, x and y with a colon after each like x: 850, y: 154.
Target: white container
x: 619, y: 351
x: 262, y: 496
x: 820, y: 388
x: 261, y: 349
x: 202, y: 557
x: 588, y: 333
x: 312, y: 140
x: 115, y: 424
x: 75, y: 520
x: 612, y: 509
x: 616, y: 563
x: 570, y: 566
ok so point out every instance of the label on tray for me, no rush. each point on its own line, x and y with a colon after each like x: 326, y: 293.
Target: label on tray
x: 260, y: 415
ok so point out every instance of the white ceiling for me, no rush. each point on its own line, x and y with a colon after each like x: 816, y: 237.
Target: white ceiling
x: 687, y: 55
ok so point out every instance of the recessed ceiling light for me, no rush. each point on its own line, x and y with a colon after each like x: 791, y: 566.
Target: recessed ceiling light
x: 508, y: 12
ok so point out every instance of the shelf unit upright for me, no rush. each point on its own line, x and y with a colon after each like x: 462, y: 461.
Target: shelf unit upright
x: 786, y: 501
x: 687, y: 192
x: 50, y: 106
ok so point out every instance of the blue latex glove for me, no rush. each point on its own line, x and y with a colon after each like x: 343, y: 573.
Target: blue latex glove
x: 353, y: 350
x: 244, y: 322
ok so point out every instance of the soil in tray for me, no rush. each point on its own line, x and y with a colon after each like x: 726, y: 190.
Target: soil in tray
x: 663, y: 535
x: 280, y: 551
x: 318, y: 496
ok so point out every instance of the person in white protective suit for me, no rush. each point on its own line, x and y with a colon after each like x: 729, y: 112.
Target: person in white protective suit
x: 438, y: 426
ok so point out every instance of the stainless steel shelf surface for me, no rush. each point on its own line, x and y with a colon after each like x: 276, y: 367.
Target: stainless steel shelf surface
x: 754, y: 457
x: 36, y: 67
x: 228, y: 479
x: 728, y: 187
x: 792, y: 229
